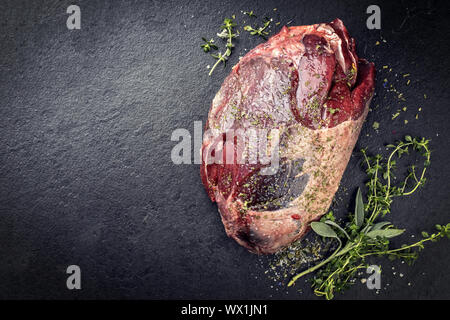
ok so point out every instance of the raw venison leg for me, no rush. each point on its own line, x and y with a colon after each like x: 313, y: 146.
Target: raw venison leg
x: 308, y: 83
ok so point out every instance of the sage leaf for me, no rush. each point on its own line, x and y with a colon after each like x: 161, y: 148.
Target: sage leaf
x: 380, y: 225
x: 385, y: 233
x: 324, y: 230
x: 359, y: 209
x: 334, y: 224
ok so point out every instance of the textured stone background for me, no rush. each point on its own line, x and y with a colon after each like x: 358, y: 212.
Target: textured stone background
x: 85, y: 123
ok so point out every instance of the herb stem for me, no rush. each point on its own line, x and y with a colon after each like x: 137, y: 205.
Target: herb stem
x: 317, y: 266
x: 418, y: 243
x: 227, y: 33
x: 215, y: 65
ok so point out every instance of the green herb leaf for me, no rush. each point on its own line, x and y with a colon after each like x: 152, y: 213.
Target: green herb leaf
x: 259, y: 31
x: 376, y: 125
x: 359, y: 209
x: 208, y: 45
x: 324, y: 230
x: 380, y: 225
x: 334, y: 224
x: 385, y: 233
x: 250, y: 13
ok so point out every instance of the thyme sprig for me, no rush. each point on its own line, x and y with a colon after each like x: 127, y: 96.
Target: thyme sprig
x: 208, y: 45
x: 363, y: 236
x: 260, y: 31
x: 227, y: 33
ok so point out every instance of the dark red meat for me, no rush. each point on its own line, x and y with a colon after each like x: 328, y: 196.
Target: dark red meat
x: 307, y: 83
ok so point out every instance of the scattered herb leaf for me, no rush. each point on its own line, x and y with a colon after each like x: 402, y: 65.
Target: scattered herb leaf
x: 260, y: 31
x: 250, y: 13
x: 208, y: 45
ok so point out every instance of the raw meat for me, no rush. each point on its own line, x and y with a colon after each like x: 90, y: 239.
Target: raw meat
x: 308, y: 93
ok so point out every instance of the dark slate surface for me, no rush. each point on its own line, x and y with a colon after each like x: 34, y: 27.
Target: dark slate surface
x: 85, y: 123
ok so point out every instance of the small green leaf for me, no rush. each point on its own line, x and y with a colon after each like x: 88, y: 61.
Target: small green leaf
x: 324, y: 230
x: 386, y: 233
x: 359, y: 209
x: 408, y: 138
x: 330, y: 216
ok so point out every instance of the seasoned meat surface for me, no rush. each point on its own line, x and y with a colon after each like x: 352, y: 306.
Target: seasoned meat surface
x: 281, y: 130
